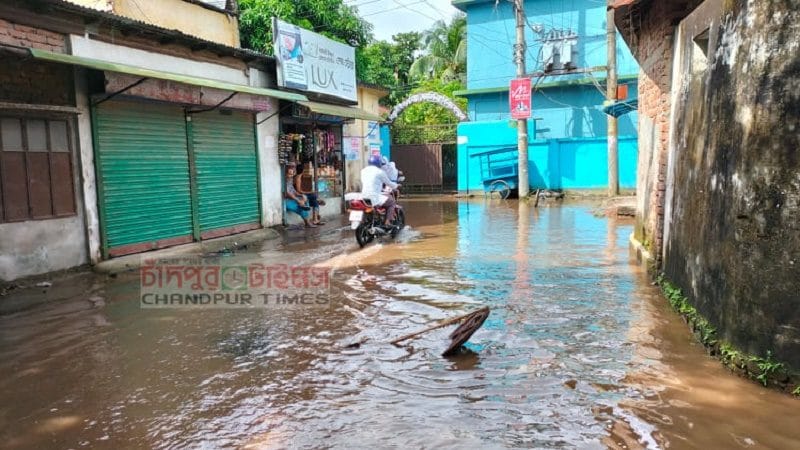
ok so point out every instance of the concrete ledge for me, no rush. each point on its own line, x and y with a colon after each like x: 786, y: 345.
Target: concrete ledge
x: 233, y: 242
x: 640, y: 253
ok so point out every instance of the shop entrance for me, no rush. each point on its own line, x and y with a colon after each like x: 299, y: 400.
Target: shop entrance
x: 315, y: 149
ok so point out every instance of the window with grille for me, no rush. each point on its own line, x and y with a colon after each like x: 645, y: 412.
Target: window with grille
x: 35, y: 169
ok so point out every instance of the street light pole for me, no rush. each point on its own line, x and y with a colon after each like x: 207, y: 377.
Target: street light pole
x: 522, y: 124
x: 611, y: 96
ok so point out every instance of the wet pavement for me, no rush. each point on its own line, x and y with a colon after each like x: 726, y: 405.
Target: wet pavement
x: 580, y: 351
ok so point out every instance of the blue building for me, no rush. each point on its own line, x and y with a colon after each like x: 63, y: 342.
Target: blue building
x: 567, y: 136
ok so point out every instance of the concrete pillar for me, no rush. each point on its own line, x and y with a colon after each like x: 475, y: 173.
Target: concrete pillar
x: 87, y: 167
x: 267, y: 136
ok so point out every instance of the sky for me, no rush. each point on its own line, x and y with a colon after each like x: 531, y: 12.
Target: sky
x: 390, y: 17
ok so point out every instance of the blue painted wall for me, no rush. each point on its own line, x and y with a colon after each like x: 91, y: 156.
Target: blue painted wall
x: 560, y: 112
x: 386, y: 142
x: 491, y: 36
x: 563, y: 163
x: 568, y: 138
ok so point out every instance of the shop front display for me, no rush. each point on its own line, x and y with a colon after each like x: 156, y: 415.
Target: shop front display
x: 316, y: 151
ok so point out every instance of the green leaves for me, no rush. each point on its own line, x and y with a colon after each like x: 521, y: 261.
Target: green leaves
x: 331, y: 18
x: 445, y: 52
x: 755, y: 367
x: 767, y: 367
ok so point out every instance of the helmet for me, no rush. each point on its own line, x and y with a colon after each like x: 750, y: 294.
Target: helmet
x: 375, y: 160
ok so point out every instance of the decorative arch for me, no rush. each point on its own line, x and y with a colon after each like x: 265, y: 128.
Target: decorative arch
x: 430, y: 97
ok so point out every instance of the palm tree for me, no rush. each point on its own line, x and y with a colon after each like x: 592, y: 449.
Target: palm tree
x: 445, y: 48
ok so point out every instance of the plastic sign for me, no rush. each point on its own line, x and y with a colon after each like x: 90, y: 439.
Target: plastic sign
x: 519, y: 98
x: 310, y: 62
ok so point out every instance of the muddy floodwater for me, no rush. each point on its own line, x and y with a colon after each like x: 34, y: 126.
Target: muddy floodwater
x: 580, y: 351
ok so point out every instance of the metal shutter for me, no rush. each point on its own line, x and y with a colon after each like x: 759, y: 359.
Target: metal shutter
x: 224, y: 150
x: 143, y: 176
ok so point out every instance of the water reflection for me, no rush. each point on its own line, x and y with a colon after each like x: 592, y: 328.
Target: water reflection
x: 579, y: 352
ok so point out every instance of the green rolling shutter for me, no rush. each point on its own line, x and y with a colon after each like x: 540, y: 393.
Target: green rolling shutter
x: 224, y: 150
x: 143, y: 170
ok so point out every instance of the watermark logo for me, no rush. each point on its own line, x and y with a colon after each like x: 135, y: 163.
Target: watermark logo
x: 209, y: 283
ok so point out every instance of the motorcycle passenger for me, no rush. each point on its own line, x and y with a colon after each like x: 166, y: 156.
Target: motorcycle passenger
x: 372, y: 181
x: 389, y: 168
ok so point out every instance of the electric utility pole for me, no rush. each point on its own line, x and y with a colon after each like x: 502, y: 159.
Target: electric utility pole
x: 522, y: 124
x: 611, y: 96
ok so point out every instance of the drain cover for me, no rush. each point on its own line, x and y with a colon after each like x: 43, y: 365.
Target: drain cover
x: 464, y: 331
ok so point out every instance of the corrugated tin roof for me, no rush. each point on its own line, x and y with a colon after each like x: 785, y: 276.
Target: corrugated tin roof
x: 215, y: 3
x: 621, y: 3
x: 140, y: 26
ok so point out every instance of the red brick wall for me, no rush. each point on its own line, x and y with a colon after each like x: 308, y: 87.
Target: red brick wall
x: 654, y: 52
x: 28, y: 81
x: 25, y: 36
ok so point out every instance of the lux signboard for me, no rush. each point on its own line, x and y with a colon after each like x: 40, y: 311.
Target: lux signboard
x: 310, y: 62
x: 519, y: 98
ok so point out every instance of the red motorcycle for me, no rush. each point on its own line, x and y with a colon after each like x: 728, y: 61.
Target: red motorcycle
x: 368, y: 221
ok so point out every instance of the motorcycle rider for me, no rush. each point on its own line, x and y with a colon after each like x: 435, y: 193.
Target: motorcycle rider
x: 372, y: 181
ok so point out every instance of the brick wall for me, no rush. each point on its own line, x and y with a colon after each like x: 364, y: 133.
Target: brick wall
x: 28, y: 81
x: 113, y: 36
x: 34, y: 82
x: 25, y: 36
x: 654, y: 51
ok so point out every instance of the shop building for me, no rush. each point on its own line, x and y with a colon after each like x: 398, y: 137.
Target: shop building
x: 312, y: 133
x: 362, y: 136
x: 120, y: 137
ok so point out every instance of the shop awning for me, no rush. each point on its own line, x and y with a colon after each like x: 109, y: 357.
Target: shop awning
x: 149, y: 73
x: 349, y: 112
x: 621, y: 107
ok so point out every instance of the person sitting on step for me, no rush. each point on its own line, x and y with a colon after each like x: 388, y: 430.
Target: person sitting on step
x: 311, y: 196
x: 295, y: 201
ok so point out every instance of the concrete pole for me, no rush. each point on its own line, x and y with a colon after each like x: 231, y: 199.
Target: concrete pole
x: 611, y: 95
x: 522, y: 124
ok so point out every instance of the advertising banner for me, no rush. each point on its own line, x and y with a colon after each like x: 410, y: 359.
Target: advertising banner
x: 310, y: 62
x: 519, y: 98
x: 351, y: 147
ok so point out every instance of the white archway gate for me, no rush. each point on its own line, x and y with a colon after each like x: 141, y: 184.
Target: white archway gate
x: 427, y: 97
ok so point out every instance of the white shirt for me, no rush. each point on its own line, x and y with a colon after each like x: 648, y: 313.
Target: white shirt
x: 390, y: 170
x: 372, y: 181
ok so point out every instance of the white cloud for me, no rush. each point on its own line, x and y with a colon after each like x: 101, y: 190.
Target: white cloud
x: 390, y: 17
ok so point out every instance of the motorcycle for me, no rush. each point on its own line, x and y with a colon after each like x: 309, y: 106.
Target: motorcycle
x: 368, y: 221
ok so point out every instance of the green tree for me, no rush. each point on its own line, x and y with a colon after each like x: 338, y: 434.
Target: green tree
x: 404, y: 52
x: 387, y: 64
x: 445, y: 54
x: 376, y: 64
x: 331, y: 18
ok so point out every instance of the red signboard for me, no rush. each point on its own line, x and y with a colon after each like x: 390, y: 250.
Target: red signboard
x: 519, y: 98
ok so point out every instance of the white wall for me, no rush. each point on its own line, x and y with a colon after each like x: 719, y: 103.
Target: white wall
x: 82, y: 46
x: 270, y: 169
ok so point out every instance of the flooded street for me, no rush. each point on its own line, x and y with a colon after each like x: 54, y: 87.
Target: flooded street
x: 580, y: 351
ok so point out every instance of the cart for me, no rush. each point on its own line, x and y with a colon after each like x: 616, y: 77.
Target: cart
x: 499, y: 171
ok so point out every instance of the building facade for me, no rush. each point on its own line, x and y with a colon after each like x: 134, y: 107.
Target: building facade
x: 566, y: 57
x: 120, y: 137
x: 719, y: 174
x: 367, y: 135
x: 211, y: 20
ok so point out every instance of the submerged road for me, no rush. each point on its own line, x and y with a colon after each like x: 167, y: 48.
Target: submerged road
x: 580, y: 351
